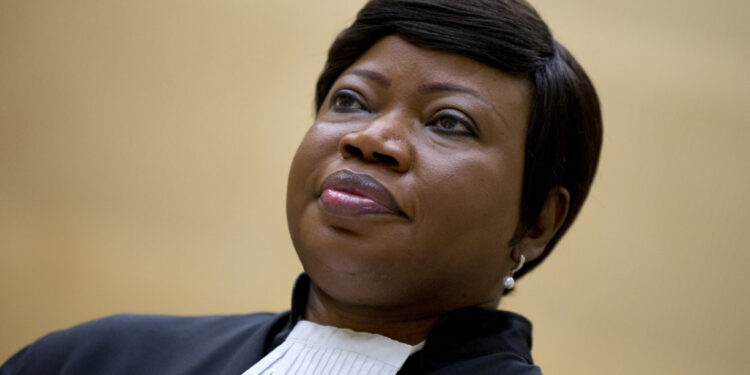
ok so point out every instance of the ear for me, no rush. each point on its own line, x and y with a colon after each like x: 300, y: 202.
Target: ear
x: 549, y: 221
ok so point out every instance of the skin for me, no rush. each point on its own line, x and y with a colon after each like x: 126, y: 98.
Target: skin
x: 445, y: 135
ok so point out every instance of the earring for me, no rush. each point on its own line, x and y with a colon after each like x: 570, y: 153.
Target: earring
x: 509, y: 282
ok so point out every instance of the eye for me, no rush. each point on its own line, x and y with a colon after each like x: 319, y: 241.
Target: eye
x: 347, y: 101
x: 451, y: 121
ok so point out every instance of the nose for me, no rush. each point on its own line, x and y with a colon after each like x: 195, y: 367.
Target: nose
x: 382, y: 141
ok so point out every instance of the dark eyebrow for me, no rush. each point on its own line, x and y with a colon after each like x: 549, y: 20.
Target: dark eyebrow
x: 438, y: 87
x: 450, y: 87
x: 372, y: 75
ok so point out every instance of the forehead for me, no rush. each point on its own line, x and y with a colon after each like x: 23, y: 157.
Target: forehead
x: 396, y: 64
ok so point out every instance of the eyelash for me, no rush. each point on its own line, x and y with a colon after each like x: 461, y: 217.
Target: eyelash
x: 350, y: 95
x: 452, y: 114
x: 459, y: 118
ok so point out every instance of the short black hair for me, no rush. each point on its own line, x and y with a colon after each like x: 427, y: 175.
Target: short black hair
x: 564, y: 132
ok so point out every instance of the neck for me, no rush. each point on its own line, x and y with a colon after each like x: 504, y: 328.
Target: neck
x: 324, y: 310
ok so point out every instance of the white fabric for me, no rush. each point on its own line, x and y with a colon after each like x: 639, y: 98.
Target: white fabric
x: 312, y: 349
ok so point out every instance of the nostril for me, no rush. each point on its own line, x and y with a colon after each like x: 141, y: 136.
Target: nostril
x: 390, y: 160
x: 353, y: 151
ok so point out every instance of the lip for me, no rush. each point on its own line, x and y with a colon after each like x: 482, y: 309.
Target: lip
x: 345, y: 193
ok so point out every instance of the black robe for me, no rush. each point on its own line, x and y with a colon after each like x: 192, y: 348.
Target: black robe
x: 468, y: 341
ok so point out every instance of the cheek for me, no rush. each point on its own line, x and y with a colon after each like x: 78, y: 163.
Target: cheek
x: 317, y: 150
x: 462, y: 237
x: 470, y: 208
x: 300, y: 185
x: 319, y: 141
x: 317, y: 146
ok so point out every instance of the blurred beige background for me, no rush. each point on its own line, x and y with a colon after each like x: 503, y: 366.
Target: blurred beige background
x: 144, y: 148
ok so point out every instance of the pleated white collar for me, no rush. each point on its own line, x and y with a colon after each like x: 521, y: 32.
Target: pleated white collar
x: 315, y: 349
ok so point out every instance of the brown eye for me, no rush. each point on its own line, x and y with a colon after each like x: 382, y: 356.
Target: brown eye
x: 448, y: 123
x: 347, y: 101
x: 452, y: 122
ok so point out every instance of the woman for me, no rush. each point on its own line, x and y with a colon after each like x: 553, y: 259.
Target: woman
x: 454, y: 143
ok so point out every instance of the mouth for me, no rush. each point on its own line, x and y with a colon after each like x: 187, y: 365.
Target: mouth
x: 346, y: 193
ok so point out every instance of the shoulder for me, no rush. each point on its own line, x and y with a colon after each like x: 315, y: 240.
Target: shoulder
x: 476, y: 341
x: 162, y: 327
x: 152, y: 330
x: 131, y: 342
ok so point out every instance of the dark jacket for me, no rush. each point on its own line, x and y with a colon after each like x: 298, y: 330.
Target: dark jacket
x: 468, y: 341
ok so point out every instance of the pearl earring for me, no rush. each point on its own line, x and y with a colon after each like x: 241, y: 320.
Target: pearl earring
x: 509, y: 282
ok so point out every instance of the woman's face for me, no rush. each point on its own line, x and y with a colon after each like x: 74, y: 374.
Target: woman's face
x: 405, y: 192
